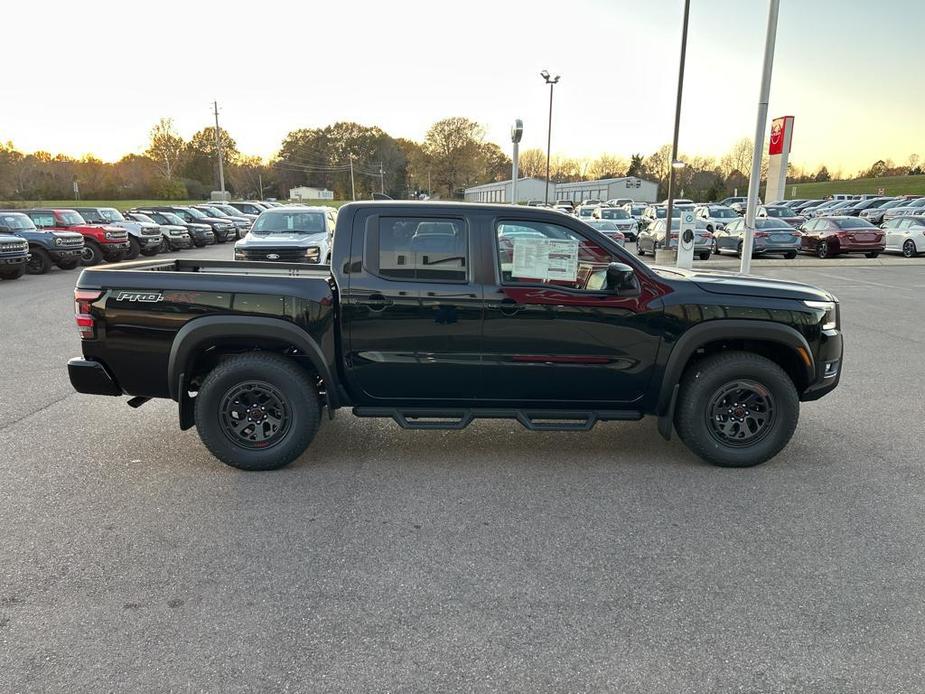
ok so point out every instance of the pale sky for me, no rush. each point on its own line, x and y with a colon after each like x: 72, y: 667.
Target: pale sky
x: 93, y: 77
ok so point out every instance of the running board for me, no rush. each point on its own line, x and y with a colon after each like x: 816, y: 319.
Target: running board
x: 534, y: 420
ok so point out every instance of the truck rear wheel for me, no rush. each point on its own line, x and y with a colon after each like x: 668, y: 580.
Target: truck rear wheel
x: 257, y: 411
x: 736, y: 409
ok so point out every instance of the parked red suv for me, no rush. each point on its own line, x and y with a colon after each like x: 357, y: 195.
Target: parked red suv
x: 828, y: 236
x: 101, y: 241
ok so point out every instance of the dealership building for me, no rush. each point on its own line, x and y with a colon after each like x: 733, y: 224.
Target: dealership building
x: 535, y: 189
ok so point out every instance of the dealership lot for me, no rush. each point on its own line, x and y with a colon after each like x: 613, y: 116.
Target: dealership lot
x: 487, y: 558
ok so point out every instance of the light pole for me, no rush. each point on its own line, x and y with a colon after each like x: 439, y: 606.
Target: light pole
x: 551, y: 81
x: 755, y: 181
x: 517, y: 131
x: 675, y: 162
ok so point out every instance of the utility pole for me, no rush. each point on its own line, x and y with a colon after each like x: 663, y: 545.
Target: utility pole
x: 755, y: 181
x: 381, y: 179
x: 353, y: 190
x: 677, y: 125
x: 260, y: 184
x: 218, y: 148
x: 430, y: 191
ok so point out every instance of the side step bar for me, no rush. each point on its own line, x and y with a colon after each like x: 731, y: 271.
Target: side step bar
x: 534, y: 420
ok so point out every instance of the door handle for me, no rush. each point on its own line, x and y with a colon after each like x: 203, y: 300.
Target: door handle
x: 509, y: 307
x: 377, y: 302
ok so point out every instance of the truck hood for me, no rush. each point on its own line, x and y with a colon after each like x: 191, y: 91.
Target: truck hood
x: 732, y: 283
x: 255, y: 240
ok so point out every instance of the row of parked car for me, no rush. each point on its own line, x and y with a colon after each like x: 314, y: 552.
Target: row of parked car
x: 847, y: 224
x: 33, y: 240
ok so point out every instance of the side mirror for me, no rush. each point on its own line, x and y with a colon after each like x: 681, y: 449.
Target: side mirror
x: 621, y: 278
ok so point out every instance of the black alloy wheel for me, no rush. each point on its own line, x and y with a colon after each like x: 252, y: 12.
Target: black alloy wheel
x: 740, y: 413
x: 254, y: 415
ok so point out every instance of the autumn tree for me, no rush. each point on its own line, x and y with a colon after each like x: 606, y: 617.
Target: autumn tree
x: 532, y: 163
x: 607, y: 166
x: 166, y: 148
x: 454, y: 146
x: 200, y: 161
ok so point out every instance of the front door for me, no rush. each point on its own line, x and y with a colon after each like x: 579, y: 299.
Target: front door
x: 553, y: 333
x: 412, y: 312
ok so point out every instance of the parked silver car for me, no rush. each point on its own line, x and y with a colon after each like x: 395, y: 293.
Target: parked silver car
x: 655, y: 237
x: 771, y: 236
x: 292, y: 234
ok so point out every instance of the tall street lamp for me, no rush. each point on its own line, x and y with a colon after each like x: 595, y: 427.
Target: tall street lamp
x: 675, y: 163
x: 551, y: 81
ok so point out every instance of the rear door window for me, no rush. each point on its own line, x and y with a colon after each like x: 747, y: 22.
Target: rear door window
x: 422, y: 249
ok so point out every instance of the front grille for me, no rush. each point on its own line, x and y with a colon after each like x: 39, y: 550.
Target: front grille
x: 13, y: 246
x: 69, y: 242
x: 286, y: 255
x: 150, y: 232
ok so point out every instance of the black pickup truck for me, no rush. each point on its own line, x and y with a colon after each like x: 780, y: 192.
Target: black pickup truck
x: 435, y: 314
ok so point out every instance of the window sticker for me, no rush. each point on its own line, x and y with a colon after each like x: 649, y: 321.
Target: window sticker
x: 545, y: 259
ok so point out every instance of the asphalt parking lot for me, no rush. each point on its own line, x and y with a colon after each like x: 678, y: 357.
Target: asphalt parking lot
x: 487, y: 559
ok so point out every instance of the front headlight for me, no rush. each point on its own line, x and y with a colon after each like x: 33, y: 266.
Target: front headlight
x: 829, y: 310
x: 312, y: 254
x: 58, y: 241
x: 108, y: 234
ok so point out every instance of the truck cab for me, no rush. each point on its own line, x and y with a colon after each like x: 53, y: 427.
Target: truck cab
x: 46, y: 248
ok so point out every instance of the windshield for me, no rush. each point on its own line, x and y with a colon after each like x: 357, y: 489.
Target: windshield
x: 777, y: 211
x: 613, y: 213
x: 172, y: 218
x: 138, y: 217
x: 17, y: 222
x: 215, y: 212
x: 855, y: 223
x: 111, y: 214
x: 722, y: 213
x: 288, y: 222
x: 196, y: 213
x: 70, y: 218
x: 91, y: 216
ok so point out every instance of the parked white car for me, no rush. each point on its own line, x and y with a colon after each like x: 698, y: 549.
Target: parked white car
x: 905, y: 235
x: 716, y: 216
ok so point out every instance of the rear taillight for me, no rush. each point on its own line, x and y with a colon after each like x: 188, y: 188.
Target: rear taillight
x: 760, y: 234
x: 86, y: 325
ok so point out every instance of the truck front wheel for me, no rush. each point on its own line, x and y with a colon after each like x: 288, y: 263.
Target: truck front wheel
x: 257, y: 411
x: 736, y: 409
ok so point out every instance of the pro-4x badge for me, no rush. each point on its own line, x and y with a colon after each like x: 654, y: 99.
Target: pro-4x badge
x: 144, y: 297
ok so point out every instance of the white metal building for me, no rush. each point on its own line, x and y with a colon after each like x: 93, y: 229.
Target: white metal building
x: 535, y: 189
x: 500, y: 191
x: 309, y: 193
x: 607, y: 189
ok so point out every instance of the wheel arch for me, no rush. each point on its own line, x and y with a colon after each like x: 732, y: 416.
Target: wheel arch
x: 776, y: 341
x: 237, y: 332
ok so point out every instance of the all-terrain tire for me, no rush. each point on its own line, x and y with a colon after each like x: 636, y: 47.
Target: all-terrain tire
x: 290, y: 384
x: 700, y: 397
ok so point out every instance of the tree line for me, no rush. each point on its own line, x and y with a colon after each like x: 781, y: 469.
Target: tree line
x: 349, y: 158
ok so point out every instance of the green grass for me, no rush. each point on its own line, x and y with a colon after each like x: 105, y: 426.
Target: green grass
x: 892, y: 185
x: 127, y: 204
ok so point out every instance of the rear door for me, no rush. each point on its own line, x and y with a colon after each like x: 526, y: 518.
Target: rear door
x: 412, y: 310
x: 554, y: 334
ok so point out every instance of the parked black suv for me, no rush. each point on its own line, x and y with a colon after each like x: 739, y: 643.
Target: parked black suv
x: 434, y: 314
x: 201, y: 234
x: 224, y: 229
x: 46, y: 248
x: 14, y: 254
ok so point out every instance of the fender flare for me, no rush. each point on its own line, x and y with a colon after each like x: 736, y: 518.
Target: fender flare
x: 730, y: 329
x: 199, y: 331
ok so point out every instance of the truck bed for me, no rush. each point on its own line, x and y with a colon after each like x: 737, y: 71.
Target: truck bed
x: 101, y: 275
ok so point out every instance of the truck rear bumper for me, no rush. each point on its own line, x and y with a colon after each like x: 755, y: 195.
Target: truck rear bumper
x: 91, y: 377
